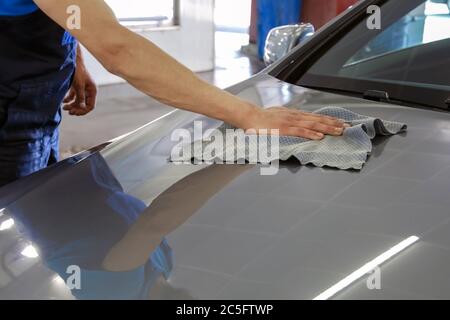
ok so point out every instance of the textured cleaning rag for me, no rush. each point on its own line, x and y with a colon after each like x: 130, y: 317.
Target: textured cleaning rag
x: 349, y: 151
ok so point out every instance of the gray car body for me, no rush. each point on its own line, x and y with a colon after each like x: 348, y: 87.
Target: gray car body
x: 287, y: 236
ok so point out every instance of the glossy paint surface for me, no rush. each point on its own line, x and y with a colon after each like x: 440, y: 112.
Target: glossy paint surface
x: 236, y: 234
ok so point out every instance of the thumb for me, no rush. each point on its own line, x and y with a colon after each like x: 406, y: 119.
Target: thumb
x: 81, y: 97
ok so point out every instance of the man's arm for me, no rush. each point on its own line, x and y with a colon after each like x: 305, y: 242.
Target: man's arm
x: 166, y: 213
x: 155, y: 73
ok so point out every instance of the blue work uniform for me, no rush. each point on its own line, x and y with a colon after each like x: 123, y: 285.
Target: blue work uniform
x: 37, y: 63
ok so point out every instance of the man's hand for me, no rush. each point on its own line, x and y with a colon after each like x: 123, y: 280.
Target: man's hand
x: 82, y: 96
x: 294, y: 123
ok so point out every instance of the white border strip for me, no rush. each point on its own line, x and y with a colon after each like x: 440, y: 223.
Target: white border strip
x: 365, y: 269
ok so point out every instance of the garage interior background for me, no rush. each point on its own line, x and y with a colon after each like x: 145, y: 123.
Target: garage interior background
x: 219, y: 39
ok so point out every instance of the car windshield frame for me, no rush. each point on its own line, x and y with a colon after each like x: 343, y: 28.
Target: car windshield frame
x: 406, y: 93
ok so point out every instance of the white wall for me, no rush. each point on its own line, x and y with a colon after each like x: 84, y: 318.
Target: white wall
x: 192, y: 43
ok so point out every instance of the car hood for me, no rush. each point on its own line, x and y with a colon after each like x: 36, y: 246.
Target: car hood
x: 234, y: 233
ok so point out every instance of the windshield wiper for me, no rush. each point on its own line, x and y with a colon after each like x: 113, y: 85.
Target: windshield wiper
x: 381, y: 96
x: 376, y: 95
x: 334, y: 90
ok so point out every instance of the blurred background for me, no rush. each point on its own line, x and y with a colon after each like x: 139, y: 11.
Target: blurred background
x: 221, y: 40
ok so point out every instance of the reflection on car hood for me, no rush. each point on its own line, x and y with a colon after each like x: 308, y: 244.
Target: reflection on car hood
x: 234, y: 233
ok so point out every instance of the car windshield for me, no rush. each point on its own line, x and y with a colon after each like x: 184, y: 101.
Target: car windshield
x: 404, y: 51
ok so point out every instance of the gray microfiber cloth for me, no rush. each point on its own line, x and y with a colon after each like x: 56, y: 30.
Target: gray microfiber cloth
x: 349, y: 151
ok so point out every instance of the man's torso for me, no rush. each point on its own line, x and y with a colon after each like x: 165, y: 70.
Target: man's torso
x: 33, y: 46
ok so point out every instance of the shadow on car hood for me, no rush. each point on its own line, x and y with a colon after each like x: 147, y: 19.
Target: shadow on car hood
x: 235, y: 234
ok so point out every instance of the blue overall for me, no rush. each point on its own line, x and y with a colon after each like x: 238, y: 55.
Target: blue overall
x: 37, y: 62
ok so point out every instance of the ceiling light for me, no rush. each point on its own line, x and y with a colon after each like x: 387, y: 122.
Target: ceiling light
x: 30, y: 252
x: 367, y: 268
x: 7, y: 224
